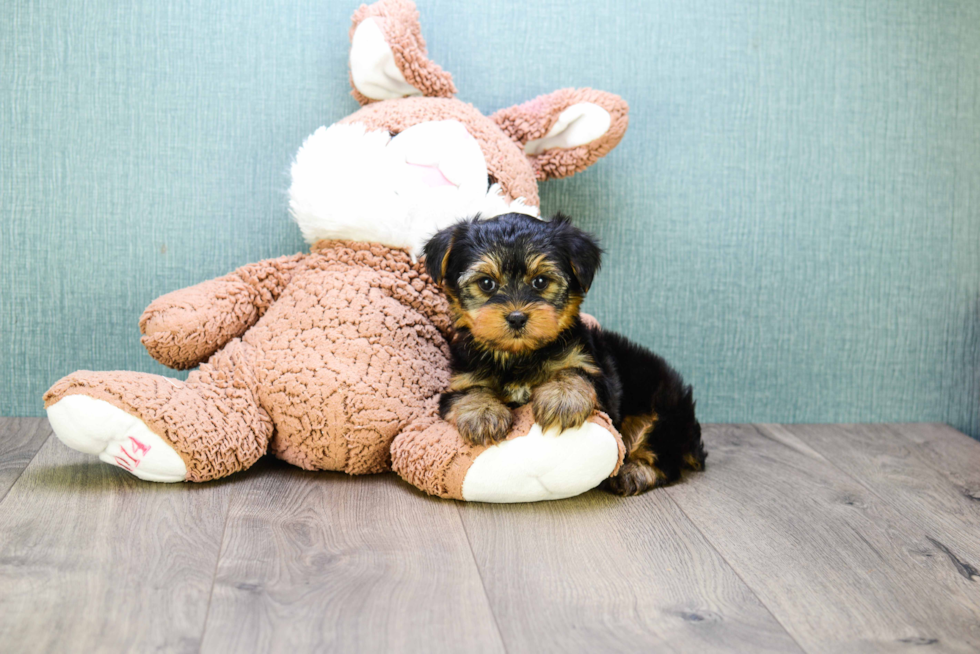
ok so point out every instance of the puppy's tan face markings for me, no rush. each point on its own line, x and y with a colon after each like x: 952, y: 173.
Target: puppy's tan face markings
x: 487, y: 266
x: 540, y: 267
x: 490, y: 326
x: 530, y: 283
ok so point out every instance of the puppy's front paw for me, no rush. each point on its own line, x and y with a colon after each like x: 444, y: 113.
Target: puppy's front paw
x: 481, y: 418
x: 565, y: 402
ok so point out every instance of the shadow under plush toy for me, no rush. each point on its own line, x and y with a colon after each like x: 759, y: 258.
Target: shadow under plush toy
x: 334, y: 360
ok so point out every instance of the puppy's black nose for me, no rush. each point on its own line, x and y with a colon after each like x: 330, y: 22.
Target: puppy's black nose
x: 517, y: 319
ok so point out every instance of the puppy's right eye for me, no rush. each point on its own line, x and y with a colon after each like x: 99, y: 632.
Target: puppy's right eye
x: 486, y: 284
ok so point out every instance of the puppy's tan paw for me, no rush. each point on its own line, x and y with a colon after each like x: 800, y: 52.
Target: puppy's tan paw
x: 565, y: 402
x: 481, y: 418
x: 635, y: 478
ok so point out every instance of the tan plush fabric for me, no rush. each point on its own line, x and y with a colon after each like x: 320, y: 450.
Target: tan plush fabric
x: 349, y: 349
x: 213, y: 420
x: 505, y: 159
x: 183, y: 328
x: 431, y: 455
x: 532, y: 120
x: 399, y: 22
x: 350, y: 353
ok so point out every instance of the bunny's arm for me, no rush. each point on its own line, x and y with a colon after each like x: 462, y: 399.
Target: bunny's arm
x: 183, y: 328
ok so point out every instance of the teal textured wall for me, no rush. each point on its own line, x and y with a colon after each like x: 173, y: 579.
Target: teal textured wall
x: 793, y: 217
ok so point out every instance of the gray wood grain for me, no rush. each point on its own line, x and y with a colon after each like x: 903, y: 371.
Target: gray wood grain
x: 330, y: 563
x: 20, y: 439
x: 600, y: 573
x: 830, y: 538
x: 840, y: 568
x: 952, y: 453
x: 881, y: 458
x: 92, y: 559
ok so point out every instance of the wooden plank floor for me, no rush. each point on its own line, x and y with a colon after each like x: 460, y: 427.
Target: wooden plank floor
x: 830, y: 538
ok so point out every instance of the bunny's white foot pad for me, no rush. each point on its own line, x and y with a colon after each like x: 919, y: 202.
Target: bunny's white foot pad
x: 118, y: 438
x: 548, y: 465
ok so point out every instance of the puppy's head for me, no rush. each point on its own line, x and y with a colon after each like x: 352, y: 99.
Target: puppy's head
x: 513, y: 281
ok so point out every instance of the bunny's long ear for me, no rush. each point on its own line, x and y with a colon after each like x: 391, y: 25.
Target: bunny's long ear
x: 388, y: 58
x: 566, y: 131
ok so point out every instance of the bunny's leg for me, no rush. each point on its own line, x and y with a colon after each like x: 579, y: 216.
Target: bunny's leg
x: 162, y: 429
x: 529, y: 466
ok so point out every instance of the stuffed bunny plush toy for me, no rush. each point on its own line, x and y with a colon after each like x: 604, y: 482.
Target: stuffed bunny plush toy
x: 335, y: 359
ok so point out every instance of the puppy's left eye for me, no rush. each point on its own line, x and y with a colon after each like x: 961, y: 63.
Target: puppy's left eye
x: 486, y: 284
x: 540, y: 283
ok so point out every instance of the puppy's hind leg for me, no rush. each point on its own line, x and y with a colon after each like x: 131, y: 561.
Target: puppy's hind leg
x: 639, y: 472
x: 659, y: 445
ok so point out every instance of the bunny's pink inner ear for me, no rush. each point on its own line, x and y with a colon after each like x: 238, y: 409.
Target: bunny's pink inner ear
x: 565, y: 132
x: 388, y: 58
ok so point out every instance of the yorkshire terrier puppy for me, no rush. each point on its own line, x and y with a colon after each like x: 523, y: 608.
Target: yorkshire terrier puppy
x: 515, y: 285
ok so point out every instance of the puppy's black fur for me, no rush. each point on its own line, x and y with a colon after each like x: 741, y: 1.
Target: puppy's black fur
x: 515, y: 285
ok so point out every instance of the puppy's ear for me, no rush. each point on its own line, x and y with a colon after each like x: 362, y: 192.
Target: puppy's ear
x: 584, y: 253
x: 438, y: 248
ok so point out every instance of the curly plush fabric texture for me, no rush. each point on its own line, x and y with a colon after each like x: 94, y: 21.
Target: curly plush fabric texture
x: 533, y: 119
x: 183, y: 328
x: 350, y: 353
x: 347, y: 348
x: 399, y: 22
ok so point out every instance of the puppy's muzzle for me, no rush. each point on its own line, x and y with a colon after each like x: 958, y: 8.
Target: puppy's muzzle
x: 516, y: 320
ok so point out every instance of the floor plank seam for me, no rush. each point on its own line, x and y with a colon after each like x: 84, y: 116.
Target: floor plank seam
x: 479, y: 574
x: 26, y: 465
x: 214, y: 577
x: 734, y: 570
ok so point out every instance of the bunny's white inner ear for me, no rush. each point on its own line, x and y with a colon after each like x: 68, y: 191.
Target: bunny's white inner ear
x: 579, y: 124
x: 372, y: 65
